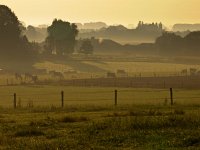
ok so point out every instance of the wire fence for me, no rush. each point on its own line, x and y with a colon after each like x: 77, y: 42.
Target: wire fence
x: 106, y: 97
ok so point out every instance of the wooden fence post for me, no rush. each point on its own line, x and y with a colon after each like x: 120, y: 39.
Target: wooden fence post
x: 15, y: 100
x: 62, y: 99
x: 171, y: 96
x: 115, y: 97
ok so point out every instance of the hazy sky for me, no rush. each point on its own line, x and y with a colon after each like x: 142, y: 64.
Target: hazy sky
x: 110, y: 11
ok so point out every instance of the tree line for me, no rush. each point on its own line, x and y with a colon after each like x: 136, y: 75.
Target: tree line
x: 61, y: 37
x: 171, y: 44
x: 62, y: 40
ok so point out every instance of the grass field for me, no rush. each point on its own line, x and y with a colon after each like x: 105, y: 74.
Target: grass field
x: 143, y: 119
x: 50, y: 96
x: 124, y: 127
x: 86, y: 69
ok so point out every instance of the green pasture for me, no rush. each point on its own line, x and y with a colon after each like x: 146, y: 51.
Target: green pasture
x: 124, y: 127
x: 50, y: 96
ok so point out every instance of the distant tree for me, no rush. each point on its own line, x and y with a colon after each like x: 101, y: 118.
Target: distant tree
x: 13, y: 44
x: 169, y: 44
x: 86, y: 47
x: 192, y: 42
x: 31, y: 31
x: 61, y: 37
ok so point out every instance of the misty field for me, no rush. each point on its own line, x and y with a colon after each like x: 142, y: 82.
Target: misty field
x: 86, y: 69
x: 89, y: 127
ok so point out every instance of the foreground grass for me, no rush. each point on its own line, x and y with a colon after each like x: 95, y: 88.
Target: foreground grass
x: 126, y: 127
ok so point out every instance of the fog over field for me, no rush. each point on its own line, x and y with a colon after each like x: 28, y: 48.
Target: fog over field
x: 108, y: 75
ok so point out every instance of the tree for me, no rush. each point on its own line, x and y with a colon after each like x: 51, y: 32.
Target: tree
x: 192, y: 42
x: 61, y: 37
x: 13, y: 44
x: 9, y: 28
x: 86, y: 47
x: 16, y: 53
x: 169, y: 44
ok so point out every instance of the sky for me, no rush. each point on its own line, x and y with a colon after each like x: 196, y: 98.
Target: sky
x: 124, y: 12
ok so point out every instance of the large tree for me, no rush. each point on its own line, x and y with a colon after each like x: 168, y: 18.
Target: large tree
x: 16, y: 53
x: 13, y: 44
x: 61, y: 37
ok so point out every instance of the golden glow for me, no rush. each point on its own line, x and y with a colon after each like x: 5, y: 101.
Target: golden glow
x: 110, y: 11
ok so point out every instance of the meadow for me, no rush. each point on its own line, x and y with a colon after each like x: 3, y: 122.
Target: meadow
x: 142, y: 119
x: 98, y: 68
x: 101, y: 127
x: 50, y: 96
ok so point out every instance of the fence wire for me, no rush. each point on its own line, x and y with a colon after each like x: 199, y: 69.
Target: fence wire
x: 112, y: 97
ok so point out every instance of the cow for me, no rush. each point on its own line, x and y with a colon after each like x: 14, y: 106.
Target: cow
x: 18, y: 76
x: 30, y: 77
x: 55, y: 74
x: 34, y: 78
x: 184, y: 72
x: 122, y: 73
x: 193, y: 71
x: 111, y: 75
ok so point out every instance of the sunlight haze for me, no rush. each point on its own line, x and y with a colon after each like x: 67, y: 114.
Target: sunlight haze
x: 110, y: 11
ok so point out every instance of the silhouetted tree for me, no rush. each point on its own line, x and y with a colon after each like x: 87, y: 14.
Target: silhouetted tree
x: 86, y: 47
x: 13, y: 44
x: 61, y: 37
x: 192, y: 42
x: 169, y: 44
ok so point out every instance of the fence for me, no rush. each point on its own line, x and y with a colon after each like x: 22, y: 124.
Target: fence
x: 101, y: 97
x: 137, y: 82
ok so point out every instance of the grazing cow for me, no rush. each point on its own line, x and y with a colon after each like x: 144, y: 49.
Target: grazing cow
x: 193, y: 71
x: 18, y: 76
x: 122, y: 73
x: 111, y: 75
x: 28, y: 76
x: 34, y: 78
x: 55, y: 74
x: 184, y: 71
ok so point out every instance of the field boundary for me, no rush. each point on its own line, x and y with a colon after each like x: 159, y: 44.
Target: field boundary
x: 113, y: 97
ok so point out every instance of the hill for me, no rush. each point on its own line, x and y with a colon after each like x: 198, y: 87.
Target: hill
x: 143, y: 33
x: 185, y: 27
